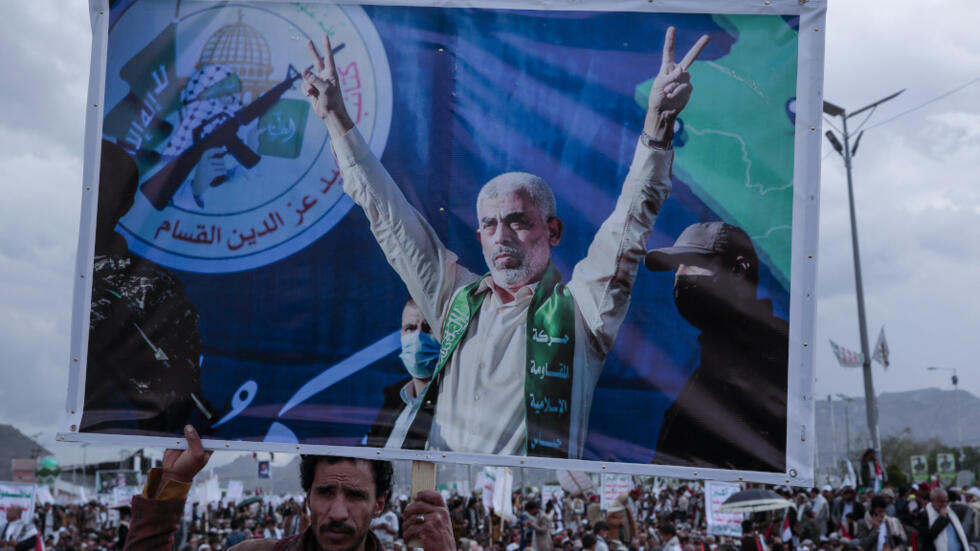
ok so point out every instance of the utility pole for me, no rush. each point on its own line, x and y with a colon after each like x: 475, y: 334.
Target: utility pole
x: 845, y: 150
x: 847, y: 422
x: 833, y: 431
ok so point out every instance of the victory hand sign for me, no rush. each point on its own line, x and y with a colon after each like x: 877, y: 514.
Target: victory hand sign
x: 671, y: 89
x: 322, y: 87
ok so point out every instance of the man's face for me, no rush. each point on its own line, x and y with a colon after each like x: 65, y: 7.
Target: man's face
x: 939, y: 500
x: 878, y: 513
x: 413, y: 321
x: 13, y: 513
x: 515, y: 238
x: 342, y: 503
x: 848, y: 494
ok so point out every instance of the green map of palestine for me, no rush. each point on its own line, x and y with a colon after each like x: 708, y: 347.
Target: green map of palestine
x: 738, y: 158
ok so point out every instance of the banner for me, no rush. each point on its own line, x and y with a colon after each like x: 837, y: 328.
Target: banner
x: 246, y: 267
x: 551, y: 492
x: 847, y: 357
x: 881, y: 352
x: 486, y: 480
x: 946, y: 467
x: 106, y: 480
x: 575, y: 482
x: 612, y: 486
x: 234, y: 493
x: 721, y: 524
x: 503, y: 487
x: 919, y: 468
x: 18, y: 494
x: 122, y: 496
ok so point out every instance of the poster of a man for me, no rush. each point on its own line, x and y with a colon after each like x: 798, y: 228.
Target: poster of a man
x: 496, y: 177
x: 518, y: 345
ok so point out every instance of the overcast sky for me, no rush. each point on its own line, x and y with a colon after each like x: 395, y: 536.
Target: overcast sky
x: 916, y: 191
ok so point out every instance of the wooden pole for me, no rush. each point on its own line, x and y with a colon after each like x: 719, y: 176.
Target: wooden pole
x: 423, y: 478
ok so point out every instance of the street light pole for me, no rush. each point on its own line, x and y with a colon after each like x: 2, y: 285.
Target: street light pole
x: 871, y: 403
x: 833, y: 431
x: 847, y: 422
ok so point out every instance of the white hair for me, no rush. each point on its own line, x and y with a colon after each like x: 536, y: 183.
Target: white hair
x: 537, y: 189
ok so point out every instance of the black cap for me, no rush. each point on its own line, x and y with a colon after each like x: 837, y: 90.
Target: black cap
x: 701, y: 240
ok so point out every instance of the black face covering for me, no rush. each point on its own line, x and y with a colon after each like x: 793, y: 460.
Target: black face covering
x: 704, y: 300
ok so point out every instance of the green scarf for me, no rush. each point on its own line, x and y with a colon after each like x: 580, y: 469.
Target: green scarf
x: 550, y: 345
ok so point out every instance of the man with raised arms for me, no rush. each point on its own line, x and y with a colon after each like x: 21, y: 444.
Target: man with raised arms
x: 521, y: 351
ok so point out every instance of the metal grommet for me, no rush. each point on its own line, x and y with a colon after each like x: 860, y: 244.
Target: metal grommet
x: 227, y: 445
x: 806, y: 344
x: 74, y: 428
x: 792, y: 473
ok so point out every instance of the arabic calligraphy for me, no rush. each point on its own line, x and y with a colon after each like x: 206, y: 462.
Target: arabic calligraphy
x: 281, y: 130
x: 541, y: 370
x: 331, y: 182
x: 350, y: 84
x: 544, y: 405
x: 271, y: 222
x: 541, y: 336
x: 149, y: 108
x: 538, y: 441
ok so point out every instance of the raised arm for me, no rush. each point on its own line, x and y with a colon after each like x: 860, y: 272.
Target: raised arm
x: 428, y: 269
x: 603, y: 280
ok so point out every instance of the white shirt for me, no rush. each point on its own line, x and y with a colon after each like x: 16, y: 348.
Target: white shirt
x: 387, y: 519
x: 480, y: 406
x: 18, y: 530
x: 404, y: 420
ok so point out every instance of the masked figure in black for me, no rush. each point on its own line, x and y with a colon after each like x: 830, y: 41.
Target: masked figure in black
x: 731, y: 413
x: 143, y: 372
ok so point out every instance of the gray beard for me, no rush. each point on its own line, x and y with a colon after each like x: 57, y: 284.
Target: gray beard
x: 508, y: 277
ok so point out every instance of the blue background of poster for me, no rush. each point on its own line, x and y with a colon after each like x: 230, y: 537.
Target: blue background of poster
x: 476, y: 93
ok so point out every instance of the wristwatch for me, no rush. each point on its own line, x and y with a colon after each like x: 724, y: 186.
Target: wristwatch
x: 655, y: 144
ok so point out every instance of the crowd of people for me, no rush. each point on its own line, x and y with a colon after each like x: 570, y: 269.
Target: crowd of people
x: 908, y: 518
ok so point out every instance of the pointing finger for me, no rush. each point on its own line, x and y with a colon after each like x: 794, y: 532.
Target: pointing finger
x: 317, y: 58
x: 695, y: 51
x: 668, y: 57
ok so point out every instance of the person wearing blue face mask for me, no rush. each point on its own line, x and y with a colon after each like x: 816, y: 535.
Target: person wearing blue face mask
x: 419, y: 355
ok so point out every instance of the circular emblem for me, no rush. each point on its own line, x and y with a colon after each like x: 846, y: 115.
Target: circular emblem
x: 236, y: 170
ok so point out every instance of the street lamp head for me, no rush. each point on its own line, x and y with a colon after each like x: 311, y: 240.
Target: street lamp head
x: 832, y: 110
x: 838, y: 147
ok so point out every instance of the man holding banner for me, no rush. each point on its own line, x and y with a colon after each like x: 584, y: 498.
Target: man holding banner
x: 521, y: 351
x: 18, y: 533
